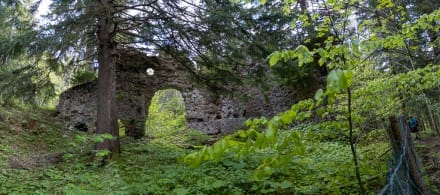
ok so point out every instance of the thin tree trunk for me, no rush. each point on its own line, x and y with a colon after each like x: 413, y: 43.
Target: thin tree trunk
x: 352, y: 145
x: 107, y: 114
x: 431, y: 115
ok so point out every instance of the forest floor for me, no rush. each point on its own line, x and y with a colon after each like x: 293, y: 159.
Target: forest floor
x: 429, y: 152
x: 38, y: 157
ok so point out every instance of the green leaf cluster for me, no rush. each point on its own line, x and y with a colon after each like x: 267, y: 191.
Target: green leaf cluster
x: 301, y: 53
x: 83, y: 77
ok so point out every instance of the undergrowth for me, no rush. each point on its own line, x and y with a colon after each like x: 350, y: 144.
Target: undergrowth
x: 156, y: 166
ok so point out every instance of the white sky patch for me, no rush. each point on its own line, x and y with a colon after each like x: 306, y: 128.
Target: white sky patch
x: 42, y: 10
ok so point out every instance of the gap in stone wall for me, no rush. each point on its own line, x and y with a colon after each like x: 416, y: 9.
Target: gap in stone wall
x: 166, y: 114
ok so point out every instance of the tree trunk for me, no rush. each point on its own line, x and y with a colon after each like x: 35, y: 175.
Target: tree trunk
x: 107, y: 115
x: 352, y: 145
x: 431, y: 116
x: 405, y: 157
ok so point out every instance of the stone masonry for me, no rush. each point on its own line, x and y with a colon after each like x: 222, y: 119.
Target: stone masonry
x: 205, y: 110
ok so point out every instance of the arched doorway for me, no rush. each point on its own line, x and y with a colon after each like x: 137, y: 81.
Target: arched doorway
x: 166, y: 114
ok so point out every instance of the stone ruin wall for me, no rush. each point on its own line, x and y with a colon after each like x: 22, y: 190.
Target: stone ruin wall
x: 205, y: 110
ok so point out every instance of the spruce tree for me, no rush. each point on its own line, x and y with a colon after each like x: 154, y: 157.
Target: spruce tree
x: 24, y: 69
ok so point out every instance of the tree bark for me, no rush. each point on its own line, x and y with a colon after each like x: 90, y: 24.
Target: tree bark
x: 402, y: 144
x: 431, y: 115
x: 107, y: 115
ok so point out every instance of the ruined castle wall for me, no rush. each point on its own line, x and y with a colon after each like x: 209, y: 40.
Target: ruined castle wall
x: 77, y: 107
x: 205, y: 110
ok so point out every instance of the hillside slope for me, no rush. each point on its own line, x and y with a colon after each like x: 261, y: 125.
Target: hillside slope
x: 37, y: 156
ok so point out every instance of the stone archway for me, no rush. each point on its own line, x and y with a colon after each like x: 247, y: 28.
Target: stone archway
x: 205, y: 109
x: 166, y: 114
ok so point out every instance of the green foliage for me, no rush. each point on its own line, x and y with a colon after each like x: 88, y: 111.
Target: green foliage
x: 166, y: 115
x: 194, y: 137
x: 302, y: 53
x: 305, y: 168
x: 24, y: 67
x: 254, y: 140
x: 187, y: 138
x: 83, y: 144
x: 170, y: 176
x: 388, y: 63
x: 338, y: 81
x: 386, y: 95
x: 83, y: 77
x: 100, y: 138
x: 329, y: 131
x: 342, y: 58
x: 121, y: 129
x: 166, y: 121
